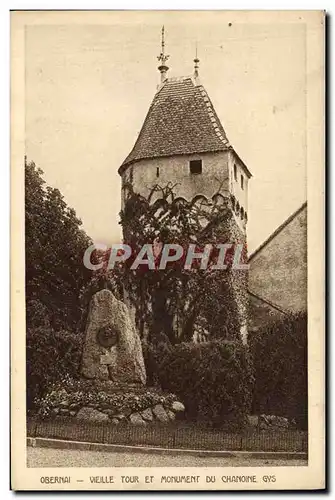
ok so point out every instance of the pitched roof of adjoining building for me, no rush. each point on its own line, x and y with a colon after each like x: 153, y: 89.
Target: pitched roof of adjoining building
x: 271, y: 304
x: 180, y: 120
x: 278, y: 230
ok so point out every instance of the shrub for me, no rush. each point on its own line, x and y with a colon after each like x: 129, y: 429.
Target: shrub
x: 50, y: 356
x: 54, y: 250
x: 213, y: 379
x: 280, y: 361
x: 54, y: 275
x: 153, y: 355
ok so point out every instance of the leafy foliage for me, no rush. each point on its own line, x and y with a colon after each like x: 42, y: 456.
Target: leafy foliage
x: 213, y: 379
x: 51, y: 355
x: 55, y: 246
x: 55, y: 273
x: 280, y: 360
x: 177, y: 301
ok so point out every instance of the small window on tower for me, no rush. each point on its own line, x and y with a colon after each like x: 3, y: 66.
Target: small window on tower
x: 235, y: 172
x: 157, y: 172
x: 242, y: 182
x: 196, y: 166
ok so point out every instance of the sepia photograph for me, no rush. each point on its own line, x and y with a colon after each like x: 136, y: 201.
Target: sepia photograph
x: 168, y: 177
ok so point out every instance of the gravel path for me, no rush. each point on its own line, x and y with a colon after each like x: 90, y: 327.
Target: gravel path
x: 49, y: 457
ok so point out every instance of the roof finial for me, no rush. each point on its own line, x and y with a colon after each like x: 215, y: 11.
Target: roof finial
x: 196, y: 61
x: 163, y: 58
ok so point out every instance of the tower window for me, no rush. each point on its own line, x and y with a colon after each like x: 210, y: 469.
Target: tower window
x: 196, y: 166
x: 235, y: 172
x: 157, y: 172
x: 242, y: 182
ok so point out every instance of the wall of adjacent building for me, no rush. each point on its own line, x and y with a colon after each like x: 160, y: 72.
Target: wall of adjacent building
x: 278, y: 271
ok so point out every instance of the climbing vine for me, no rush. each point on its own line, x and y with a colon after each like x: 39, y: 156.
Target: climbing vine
x: 175, y: 302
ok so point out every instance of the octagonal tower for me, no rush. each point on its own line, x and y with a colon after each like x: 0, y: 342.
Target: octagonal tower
x: 183, y: 141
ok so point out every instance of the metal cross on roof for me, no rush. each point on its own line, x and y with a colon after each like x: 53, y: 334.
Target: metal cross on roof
x: 163, y: 58
x: 196, y: 61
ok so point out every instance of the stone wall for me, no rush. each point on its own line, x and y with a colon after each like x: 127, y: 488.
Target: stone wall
x: 175, y: 169
x: 235, y: 187
x: 103, y: 402
x: 160, y: 413
x: 217, y: 172
x: 239, y: 278
x: 278, y: 270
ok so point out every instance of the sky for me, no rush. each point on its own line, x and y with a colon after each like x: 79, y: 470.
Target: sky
x: 89, y: 86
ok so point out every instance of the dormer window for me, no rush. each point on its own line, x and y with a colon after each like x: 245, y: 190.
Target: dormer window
x: 242, y: 182
x: 235, y: 172
x: 195, y: 167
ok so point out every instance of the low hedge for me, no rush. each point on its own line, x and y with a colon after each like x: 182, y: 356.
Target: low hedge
x: 51, y: 356
x: 213, y: 379
x: 280, y: 358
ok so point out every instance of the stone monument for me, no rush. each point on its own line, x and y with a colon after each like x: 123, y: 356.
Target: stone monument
x: 112, y: 347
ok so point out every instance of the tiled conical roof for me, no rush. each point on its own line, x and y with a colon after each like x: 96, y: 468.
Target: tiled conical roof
x: 180, y: 120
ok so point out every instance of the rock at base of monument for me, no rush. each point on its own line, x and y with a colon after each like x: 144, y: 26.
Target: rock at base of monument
x: 147, y: 415
x: 177, y: 407
x: 253, y: 420
x: 136, y: 419
x: 171, y: 415
x: 110, y: 413
x: 120, y: 417
x: 160, y: 413
x: 92, y: 415
x: 273, y: 422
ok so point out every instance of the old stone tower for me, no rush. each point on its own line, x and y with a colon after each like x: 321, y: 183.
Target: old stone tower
x: 183, y: 141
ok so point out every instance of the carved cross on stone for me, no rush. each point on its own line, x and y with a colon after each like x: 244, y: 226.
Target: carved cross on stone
x: 108, y: 359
